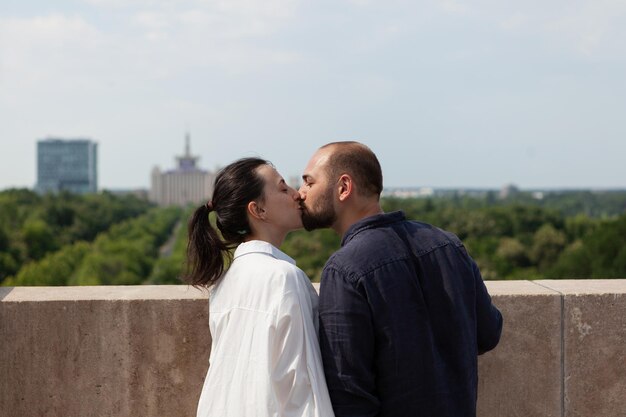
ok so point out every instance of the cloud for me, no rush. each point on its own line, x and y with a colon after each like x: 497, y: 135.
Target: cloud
x: 147, y: 40
x: 589, y: 27
x: 53, y: 31
x: 152, y: 19
x: 37, y: 49
x: 452, y: 6
x: 515, y: 21
x: 593, y: 27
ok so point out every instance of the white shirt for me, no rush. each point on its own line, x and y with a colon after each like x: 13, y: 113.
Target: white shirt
x: 265, y: 358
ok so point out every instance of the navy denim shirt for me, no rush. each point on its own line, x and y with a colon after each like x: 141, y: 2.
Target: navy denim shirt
x: 404, y: 313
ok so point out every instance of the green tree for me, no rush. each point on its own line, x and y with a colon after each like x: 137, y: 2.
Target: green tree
x: 510, y: 256
x: 573, y: 263
x: 39, y: 238
x: 54, y: 269
x: 169, y: 268
x: 548, y: 243
x: 126, y: 254
x: 311, y: 250
x: 606, y: 249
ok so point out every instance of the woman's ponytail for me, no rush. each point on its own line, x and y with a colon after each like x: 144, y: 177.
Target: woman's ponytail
x: 205, y: 251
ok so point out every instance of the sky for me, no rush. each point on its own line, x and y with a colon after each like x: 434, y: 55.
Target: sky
x: 447, y: 93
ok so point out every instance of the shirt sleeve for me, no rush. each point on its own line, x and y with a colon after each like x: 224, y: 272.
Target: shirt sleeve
x: 297, y: 376
x: 488, y: 317
x: 347, y: 346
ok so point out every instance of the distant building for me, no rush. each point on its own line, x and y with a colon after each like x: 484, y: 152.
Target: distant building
x: 186, y: 184
x: 408, y: 192
x: 508, y: 191
x: 67, y: 165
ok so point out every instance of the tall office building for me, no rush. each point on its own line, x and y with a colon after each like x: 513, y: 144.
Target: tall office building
x: 70, y: 165
x: 186, y: 184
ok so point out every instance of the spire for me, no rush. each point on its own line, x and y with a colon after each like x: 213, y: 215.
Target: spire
x: 187, y: 161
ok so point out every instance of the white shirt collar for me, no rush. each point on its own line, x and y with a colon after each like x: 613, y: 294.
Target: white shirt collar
x: 259, y: 246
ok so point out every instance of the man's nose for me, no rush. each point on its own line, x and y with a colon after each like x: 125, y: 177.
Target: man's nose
x: 302, y: 193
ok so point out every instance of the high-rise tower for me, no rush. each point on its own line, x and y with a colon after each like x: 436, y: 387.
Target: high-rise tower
x: 70, y: 165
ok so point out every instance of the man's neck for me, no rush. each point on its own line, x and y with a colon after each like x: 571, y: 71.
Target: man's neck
x: 354, y: 214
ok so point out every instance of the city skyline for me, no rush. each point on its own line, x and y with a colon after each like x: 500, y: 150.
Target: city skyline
x: 448, y: 94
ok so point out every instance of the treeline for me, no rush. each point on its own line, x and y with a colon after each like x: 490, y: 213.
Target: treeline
x: 32, y: 226
x: 508, y: 239
x: 527, y: 241
x: 123, y: 255
x: 595, y: 204
x: 106, y: 239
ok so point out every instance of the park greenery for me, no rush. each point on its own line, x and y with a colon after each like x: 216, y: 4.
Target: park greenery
x: 575, y: 234
x: 33, y: 226
x: 106, y: 239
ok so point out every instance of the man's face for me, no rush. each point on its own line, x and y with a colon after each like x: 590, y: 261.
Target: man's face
x: 317, y: 194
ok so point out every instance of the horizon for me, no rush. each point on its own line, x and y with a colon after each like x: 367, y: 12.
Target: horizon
x: 391, y: 188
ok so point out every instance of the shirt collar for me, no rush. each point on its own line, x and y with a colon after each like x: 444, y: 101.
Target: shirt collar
x: 370, y: 222
x: 259, y: 246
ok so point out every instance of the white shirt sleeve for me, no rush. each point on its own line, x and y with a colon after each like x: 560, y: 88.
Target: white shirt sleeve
x: 296, y: 369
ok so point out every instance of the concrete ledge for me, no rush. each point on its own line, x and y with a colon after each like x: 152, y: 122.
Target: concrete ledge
x: 143, y: 350
x: 522, y: 376
x: 594, y: 346
x: 101, y: 293
x: 102, y: 351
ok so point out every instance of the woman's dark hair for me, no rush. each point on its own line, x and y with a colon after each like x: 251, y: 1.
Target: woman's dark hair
x: 235, y: 186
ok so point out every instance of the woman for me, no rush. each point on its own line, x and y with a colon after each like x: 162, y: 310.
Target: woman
x: 265, y: 358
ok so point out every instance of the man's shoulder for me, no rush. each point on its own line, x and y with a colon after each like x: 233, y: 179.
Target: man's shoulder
x: 417, y: 234
x: 366, y: 248
x: 426, y: 237
x: 396, y: 242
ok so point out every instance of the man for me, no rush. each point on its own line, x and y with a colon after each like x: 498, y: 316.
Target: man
x: 403, y: 308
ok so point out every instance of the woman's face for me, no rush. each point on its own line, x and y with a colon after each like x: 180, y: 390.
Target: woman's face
x: 281, y: 202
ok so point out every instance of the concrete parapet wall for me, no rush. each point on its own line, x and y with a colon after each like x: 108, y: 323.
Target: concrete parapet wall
x: 102, y: 351
x: 142, y: 351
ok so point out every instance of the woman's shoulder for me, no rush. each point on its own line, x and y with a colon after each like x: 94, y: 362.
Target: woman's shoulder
x: 259, y: 283
x: 264, y: 269
x: 293, y: 278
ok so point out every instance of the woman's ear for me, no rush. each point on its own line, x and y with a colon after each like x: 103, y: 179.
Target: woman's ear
x: 344, y: 187
x: 255, y: 211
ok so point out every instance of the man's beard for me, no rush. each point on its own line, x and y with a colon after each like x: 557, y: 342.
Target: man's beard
x: 323, y: 217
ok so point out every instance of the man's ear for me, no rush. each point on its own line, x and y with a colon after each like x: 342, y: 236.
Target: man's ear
x: 345, y: 187
x: 255, y: 211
